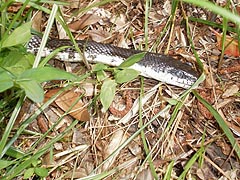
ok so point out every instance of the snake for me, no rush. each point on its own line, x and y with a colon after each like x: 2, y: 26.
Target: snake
x: 160, y: 67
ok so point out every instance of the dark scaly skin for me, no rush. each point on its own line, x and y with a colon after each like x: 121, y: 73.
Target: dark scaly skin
x: 155, y: 61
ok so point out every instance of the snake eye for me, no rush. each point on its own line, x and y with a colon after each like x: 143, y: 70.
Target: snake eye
x: 179, y: 74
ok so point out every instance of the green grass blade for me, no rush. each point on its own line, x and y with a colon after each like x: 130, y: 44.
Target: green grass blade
x: 221, y: 123
x: 145, y: 145
x: 191, y: 162
x: 177, y: 108
x: 216, y: 9
x: 51, y: 55
x: 46, y: 34
x: 4, y: 147
x: 200, y: 64
x: 167, y: 176
x: 27, y: 162
x: 9, y: 126
x: 125, y: 143
x: 148, y: 4
x: 211, y: 23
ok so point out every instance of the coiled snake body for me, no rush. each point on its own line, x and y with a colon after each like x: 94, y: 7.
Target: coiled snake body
x: 156, y: 66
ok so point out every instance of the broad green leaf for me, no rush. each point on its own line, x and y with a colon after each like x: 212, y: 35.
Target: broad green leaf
x: 5, y: 163
x: 42, y: 172
x: 43, y: 74
x: 16, y: 62
x: 101, y: 75
x: 35, y: 162
x: 19, y: 36
x: 99, y: 67
x: 6, y: 80
x: 107, y: 93
x: 14, y: 152
x: 126, y: 75
x: 32, y: 89
x: 28, y: 173
x: 172, y: 101
x: 132, y: 60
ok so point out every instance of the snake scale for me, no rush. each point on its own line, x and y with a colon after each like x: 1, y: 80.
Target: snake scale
x: 156, y: 66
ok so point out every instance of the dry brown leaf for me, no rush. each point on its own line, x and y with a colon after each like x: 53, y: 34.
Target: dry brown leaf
x: 74, y: 4
x: 66, y: 100
x: 47, y: 161
x: 37, y: 21
x: 118, y: 112
x: 202, y: 109
x: 15, y: 7
x: 50, y: 94
x: 98, y: 35
x: 88, y: 89
x: 78, y: 173
x: 78, y: 111
x: 167, y: 7
x: 58, y: 146
x: 238, y: 9
x: 235, y: 67
x: 52, y: 114
x: 117, y: 139
x: 230, y: 91
x: 120, y: 23
x: 180, y: 36
x: 42, y: 124
x: 85, y: 20
x: 27, y: 109
x: 231, y: 45
x: 145, y: 174
x: 226, y: 149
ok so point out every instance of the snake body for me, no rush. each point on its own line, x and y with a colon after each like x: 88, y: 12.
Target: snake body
x: 156, y: 66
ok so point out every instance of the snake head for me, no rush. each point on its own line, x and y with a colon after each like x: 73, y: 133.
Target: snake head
x: 182, y: 77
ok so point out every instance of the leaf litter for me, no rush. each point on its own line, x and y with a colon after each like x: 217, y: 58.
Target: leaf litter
x: 87, y: 149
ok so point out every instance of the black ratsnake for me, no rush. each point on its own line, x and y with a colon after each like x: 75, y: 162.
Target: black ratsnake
x: 156, y: 66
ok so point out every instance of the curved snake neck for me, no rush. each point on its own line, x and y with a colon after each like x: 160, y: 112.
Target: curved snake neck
x: 156, y: 66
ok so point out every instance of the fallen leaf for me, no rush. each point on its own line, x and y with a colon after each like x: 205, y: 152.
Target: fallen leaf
x: 15, y: 7
x: 145, y: 174
x: 85, y: 20
x: 74, y: 4
x: 42, y: 124
x: 37, y: 21
x: 78, y: 111
x: 66, y: 100
x: 231, y: 44
x: 117, y: 139
x: 58, y: 146
x: 120, y: 23
x: 98, y: 35
x: 119, y: 112
x: 235, y: 67
x: 202, y: 109
x: 230, y: 91
x: 78, y: 173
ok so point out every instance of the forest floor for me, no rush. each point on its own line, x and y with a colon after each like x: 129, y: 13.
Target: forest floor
x: 183, y: 138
